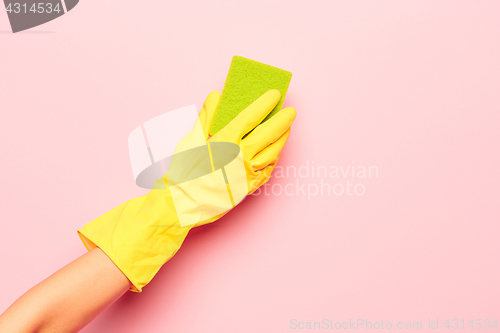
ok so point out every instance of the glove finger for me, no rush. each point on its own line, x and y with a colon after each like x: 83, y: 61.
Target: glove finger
x: 207, y: 112
x: 271, y: 154
x: 270, y: 131
x: 249, y: 118
x: 261, y: 177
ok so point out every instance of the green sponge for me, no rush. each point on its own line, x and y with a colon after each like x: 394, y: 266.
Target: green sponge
x: 246, y: 81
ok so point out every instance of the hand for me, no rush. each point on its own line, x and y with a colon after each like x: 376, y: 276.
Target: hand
x: 209, y: 176
x: 206, y: 178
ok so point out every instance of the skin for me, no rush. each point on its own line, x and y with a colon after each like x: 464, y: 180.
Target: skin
x: 69, y: 299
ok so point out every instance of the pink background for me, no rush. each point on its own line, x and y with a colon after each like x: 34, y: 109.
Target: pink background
x: 412, y: 87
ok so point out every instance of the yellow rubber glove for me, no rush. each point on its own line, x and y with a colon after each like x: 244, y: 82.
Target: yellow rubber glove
x: 206, y: 178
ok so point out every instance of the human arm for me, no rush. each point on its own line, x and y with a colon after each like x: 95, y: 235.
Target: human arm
x: 69, y: 299
x: 129, y: 244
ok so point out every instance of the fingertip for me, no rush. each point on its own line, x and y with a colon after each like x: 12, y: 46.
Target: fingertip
x: 213, y: 96
x: 273, y: 94
x: 212, y: 100
x: 291, y: 112
x: 214, y: 93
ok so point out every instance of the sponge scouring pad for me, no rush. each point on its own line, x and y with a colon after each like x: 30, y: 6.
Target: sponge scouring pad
x: 246, y: 81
